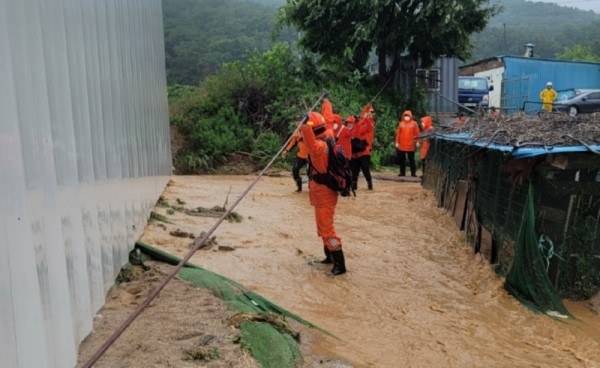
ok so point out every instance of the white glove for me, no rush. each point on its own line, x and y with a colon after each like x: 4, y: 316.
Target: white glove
x: 284, y: 153
x: 397, y: 145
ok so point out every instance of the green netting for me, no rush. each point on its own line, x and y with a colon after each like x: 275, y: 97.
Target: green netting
x: 568, y: 202
x: 566, y: 199
x: 260, y: 338
x: 528, y: 279
x: 271, y: 346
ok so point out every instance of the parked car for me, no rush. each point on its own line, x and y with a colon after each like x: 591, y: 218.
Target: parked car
x: 583, y: 101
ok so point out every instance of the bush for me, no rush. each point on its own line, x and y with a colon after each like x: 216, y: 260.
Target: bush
x: 266, y: 146
x: 220, y: 135
x: 188, y: 162
x: 248, y: 106
x: 184, y: 105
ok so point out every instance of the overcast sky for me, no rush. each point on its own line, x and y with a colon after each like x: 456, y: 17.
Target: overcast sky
x: 579, y: 4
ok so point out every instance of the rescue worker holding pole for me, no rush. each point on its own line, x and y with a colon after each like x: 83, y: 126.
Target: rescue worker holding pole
x: 314, y: 132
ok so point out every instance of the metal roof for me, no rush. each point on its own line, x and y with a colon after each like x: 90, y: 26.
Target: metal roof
x: 517, y: 152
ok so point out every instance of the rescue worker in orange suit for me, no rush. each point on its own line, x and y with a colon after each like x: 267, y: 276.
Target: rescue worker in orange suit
x: 426, y: 124
x: 342, y: 133
x: 324, y: 200
x: 362, y: 143
x: 301, y: 157
x: 407, y: 131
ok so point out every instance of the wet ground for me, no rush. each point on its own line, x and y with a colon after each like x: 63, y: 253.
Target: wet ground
x: 414, y: 296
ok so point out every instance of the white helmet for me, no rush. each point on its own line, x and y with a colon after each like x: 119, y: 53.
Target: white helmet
x: 549, y: 84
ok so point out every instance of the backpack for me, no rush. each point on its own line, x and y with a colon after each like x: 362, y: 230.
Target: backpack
x: 338, y: 176
x: 358, y: 145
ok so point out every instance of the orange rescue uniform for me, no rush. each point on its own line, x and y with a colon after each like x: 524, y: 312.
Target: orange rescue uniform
x: 426, y: 122
x: 321, y: 197
x: 297, y: 140
x: 363, y: 130
x: 406, y: 133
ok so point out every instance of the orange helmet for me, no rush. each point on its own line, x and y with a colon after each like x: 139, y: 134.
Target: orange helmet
x: 317, y: 122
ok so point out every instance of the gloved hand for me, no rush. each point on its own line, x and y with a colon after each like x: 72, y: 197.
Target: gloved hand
x: 284, y: 154
x: 305, y: 119
x: 397, y: 145
x: 418, y: 144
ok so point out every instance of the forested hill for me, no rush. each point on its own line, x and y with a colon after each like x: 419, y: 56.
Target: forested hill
x: 551, y: 28
x: 200, y: 35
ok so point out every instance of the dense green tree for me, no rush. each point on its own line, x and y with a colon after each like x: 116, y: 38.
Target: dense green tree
x: 346, y: 31
x: 579, y: 53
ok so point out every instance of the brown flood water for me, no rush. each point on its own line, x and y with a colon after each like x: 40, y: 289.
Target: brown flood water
x: 414, y: 296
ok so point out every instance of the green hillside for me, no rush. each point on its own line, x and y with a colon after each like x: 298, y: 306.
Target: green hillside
x: 201, y: 35
x: 549, y: 27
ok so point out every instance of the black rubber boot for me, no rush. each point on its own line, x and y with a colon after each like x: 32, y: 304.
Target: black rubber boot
x: 299, y: 185
x: 370, y: 185
x: 327, y: 259
x: 339, y: 264
x: 354, y: 185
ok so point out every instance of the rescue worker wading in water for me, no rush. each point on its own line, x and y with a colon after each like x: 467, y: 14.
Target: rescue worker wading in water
x: 324, y: 200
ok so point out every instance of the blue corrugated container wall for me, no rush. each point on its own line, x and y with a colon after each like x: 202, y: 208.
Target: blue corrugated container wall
x: 448, y: 86
x: 524, y: 78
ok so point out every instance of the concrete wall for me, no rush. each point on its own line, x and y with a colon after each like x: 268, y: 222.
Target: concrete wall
x: 84, y: 155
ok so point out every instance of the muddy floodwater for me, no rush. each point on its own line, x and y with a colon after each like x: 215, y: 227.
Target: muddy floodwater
x: 414, y: 295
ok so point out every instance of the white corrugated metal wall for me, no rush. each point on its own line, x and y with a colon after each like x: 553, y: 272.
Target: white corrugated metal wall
x: 84, y: 155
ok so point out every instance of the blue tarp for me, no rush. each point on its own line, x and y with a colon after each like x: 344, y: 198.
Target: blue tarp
x: 521, y: 152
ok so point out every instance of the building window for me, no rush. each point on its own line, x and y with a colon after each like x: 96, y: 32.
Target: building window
x: 429, y: 78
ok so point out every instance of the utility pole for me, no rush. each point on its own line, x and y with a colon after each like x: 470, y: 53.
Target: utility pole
x: 504, y: 25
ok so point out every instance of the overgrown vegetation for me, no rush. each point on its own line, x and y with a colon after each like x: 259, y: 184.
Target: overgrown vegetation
x: 250, y: 107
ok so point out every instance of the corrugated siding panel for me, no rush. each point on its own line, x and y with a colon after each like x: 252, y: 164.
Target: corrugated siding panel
x: 448, y: 87
x: 526, y: 77
x: 84, y: 141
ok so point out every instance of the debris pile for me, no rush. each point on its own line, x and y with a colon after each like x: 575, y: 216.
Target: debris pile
x: 522, y: 130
